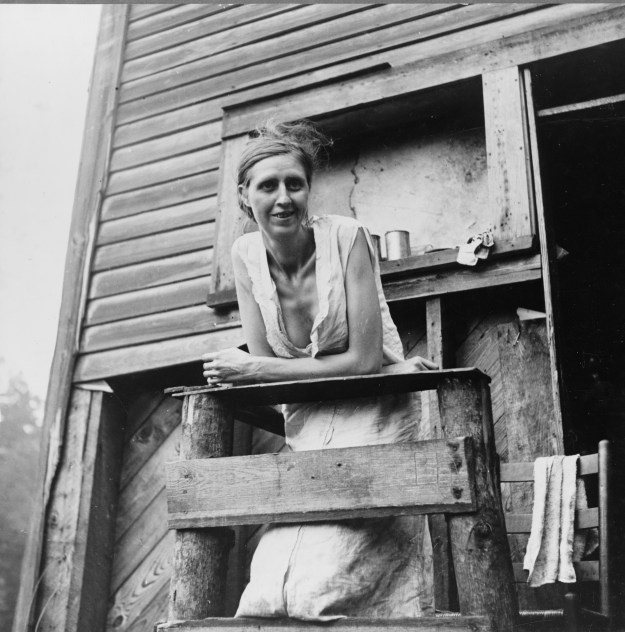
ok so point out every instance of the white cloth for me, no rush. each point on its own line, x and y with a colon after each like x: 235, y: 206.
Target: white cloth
x: 549, y: 553
x: 364, y: 568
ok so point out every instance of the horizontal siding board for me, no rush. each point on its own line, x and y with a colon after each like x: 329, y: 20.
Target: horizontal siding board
x: 159, y: 221
x: 197, y: 29
x: 148, y: 301
x: 520, y: 40
x: 164, y: 170
x: 162, y: 21
x: 167, y: 123
x: 193, y: 187
x: 181, y: 142
x: 138, y: 11
x: 313, y: 36
x: 399, y: 45
x: 187, y: 321
x: 198, y: 56
x: 152, y: 274
x: 164, y: 353
x: 152, y: 247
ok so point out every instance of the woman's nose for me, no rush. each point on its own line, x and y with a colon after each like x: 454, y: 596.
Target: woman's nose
x: 283, y: 195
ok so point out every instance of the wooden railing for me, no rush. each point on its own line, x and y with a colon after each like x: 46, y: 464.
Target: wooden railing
x: 456, y: 475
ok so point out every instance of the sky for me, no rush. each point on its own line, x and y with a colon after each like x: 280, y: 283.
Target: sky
x: 46, y: 56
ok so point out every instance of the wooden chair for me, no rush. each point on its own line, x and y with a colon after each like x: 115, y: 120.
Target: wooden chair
x: 456, y: 475
x: 575, y: 617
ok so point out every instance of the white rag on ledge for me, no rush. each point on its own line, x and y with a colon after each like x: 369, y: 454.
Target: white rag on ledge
x: 549, y: 554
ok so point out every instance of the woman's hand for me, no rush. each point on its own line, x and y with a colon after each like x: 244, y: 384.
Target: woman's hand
x: 412, y: 365
x: 229, y: 365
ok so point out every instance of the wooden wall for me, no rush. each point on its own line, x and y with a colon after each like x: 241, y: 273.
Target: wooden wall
x: 181, y: 65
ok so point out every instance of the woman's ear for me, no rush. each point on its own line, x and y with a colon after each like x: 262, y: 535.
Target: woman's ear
x: 242, y: 189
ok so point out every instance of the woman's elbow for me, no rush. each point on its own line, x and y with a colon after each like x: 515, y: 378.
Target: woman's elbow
x: 369, y: 363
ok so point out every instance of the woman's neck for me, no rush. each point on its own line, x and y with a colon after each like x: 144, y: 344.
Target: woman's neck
x: 292, y: 255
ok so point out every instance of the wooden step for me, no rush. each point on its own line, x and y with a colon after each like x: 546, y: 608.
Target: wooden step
x: 423, y: 624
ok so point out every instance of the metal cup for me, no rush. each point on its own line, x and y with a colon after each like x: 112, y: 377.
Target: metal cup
x: 397, y: 244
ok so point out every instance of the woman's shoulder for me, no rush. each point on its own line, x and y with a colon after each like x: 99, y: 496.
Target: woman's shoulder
x: 246, y: 244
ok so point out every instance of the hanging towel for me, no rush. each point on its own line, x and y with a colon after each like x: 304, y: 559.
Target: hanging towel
x: 549, y: 554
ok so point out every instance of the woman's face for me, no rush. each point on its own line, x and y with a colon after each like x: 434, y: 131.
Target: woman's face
x: 277, y: 192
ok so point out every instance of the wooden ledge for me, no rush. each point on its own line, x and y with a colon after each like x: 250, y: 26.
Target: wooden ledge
x: 425, y: 624
x: 332, y: 388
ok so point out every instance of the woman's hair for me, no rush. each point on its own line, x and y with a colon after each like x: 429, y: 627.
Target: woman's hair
x: 300, y: 139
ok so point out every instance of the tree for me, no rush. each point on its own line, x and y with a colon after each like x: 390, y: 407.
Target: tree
x: 20, y: 438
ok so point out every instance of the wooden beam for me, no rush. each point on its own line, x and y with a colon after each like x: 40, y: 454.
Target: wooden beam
x: 87, y: 200
x: 200, y: 564
x: 72, y: 594
x: 548, y: 251
x: 479, y: 544
x: 511, y: 209
x: 422, y: 624
x: 522, y: 523
x: 371, y: 481
x: 334, y: 387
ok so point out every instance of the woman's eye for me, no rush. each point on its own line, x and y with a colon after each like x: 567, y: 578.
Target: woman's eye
x: 294, y: 185
x: 267, y: 186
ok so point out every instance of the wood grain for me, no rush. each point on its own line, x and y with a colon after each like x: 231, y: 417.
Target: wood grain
x: 424, y: 477
x: 152, y: 273
x: 150, y: 247
x: 159, y: 221
x: 424, y: 624
x: 163, y: 353
x: 518, y: 472
x: 148, y: 301
x: 183, y: 189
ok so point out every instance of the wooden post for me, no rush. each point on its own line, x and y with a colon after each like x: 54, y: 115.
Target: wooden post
x: 200, y: 563
x: 479, y: 545
x: 440, y: 351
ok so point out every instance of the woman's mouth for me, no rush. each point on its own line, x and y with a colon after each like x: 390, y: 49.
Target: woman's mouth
x: 283, y: 214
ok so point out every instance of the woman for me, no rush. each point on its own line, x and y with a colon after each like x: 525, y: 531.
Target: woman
x: 312, y: 306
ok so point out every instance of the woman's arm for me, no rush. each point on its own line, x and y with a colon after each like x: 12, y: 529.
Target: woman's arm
x: 364, y: 352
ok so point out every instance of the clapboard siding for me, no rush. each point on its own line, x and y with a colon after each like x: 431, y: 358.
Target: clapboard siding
x: 175, y: 144
x: 148, y: 301
x: 159, y: 221
x: 139, y: 11
x: 152, y: 274
x: 161, y: 195
x: 176, y: 323
x: 153, y: 247
x: 194, y: 58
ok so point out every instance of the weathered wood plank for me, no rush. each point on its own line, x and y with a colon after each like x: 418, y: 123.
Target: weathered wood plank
x: 187, y: 321
x: 200, y: 566
x: 509, y: 179
x: 139, y: 541
x: 202, y: 161
x: 522, y: 523
x: 518, y: 472
x: 154, y: 355
x: 80, y: 524
x: 548, y: 249
x: 424, y: 624
x: 159, y: 221
x: 372, y: 481
x: 283, y: 29
x: 462, y: 280
x: 138, y: 11
x: 145, y: 485
x: 149, y: 438
x: 153, y: 273
x: 520, y: 40
x: 93, y: 167
x: 148, y: 301
x: 162, y: 21
x: 148, y: 580
x: 199, y: 27
x: 334, y: 387
x: 180, y: 142
x: 183, y: 189
x: 582, y: 105
x: 584, y: 571
x: 150, y: 247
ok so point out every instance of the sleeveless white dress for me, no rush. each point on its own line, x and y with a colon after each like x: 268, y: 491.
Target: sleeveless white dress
x: 360, y: 568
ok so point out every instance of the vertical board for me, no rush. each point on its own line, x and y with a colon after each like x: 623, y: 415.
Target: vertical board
x: 511, y: 206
